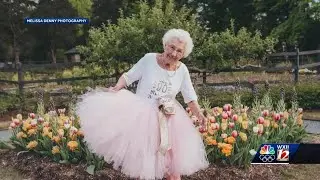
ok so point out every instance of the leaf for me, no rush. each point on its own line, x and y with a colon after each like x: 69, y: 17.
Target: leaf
x: 210, y: 150
x: 6, y: 145
x: 74, y: 160
x: 64, y: 162
x: 21, y: 152
x: 90, y: 169
x: 45, y: 153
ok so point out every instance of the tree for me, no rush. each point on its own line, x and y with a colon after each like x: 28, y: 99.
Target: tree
x: 51, y: 37
x: 132, y: 37
x: 293, y: 22
x: 216, y: 15
x: 13, y: 30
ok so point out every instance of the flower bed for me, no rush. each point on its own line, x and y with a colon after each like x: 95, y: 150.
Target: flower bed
x: 232, y: 133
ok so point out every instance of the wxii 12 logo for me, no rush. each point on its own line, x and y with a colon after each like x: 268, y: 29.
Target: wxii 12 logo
x: 268, y: 154
x: 283, y: 153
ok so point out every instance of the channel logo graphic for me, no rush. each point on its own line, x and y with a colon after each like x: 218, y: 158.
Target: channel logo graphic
x: 274, y: 153
x: 303, y: 153
x: 267, y: 153
x: 283, y: 153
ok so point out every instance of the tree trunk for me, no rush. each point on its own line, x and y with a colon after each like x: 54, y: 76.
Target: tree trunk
x: 318, y: 60
x: 16, y: 56
x: 53, y: 56
x: 16, y: 50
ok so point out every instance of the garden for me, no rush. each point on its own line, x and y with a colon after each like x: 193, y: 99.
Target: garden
x: 234, y: 132
x: 244, y: 108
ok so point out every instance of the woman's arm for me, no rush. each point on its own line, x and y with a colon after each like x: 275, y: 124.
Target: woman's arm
x: 190, y: 97
x: 134, y: 74
x: 120, y: 84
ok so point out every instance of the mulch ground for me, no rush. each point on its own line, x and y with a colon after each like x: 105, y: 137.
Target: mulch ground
x: 35, y: 167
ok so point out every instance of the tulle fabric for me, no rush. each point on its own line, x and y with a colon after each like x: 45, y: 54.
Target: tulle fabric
x: 123, y: 128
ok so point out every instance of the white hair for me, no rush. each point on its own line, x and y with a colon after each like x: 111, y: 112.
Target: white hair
x: 181, y: 35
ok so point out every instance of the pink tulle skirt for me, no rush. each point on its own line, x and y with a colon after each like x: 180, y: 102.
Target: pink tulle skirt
x: 123, y: 128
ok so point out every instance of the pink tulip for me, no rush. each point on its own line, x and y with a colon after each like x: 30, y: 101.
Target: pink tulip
x: 40, y: 120
x: 260, y: 120
x: 202, y: 130
x: 16, y: 121
x: 12, y: 125
x: 235, y: 117
x: 234, y: 133
x: 224, y: 135
x: 225, y: 115
x: 265, y: 113
x: 276, y: 117
x: 32, y: 115
x: 227, y: 107
x: 229, y: 113
x: 212, y: 119
x: 215, y: 126
x: 215, y: 109
x: 33, y: 123
x: 281, y: 114
x: 231, y: 125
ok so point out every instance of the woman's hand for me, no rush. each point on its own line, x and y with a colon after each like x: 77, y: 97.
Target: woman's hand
x: 203, y: 120
x: 113, y: 89
x: 195, y: 109
x: 120, y: 84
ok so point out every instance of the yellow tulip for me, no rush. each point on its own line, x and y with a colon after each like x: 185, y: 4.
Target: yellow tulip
x: 285, y: 115
x: 21, y: 135
x: 244, y: 124
x: 61, y: 132
x: 266, y: 123
x: 72, y: 145
x: 56, y: 139
x: 243, y: 136
x: 231, y: 140
x: 224, y: 126
x: 32, y: 144
x: 32, y: 132
x: 245, y: 116
x: 55, y: 150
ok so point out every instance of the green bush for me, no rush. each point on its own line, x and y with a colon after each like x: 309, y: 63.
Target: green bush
x: 8, y: 102
x: 109, y: 45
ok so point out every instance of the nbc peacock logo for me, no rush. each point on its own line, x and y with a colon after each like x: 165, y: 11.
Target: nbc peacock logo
x: 267, y: 154
x: 267, y: 149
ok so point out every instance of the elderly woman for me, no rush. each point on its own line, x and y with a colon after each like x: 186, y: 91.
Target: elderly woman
x: 148, y: 135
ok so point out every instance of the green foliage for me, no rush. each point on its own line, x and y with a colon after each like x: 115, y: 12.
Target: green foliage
x: 233, y: 46
x: 132, y: 37
x: 83, y: 7
x: 8, y: 102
